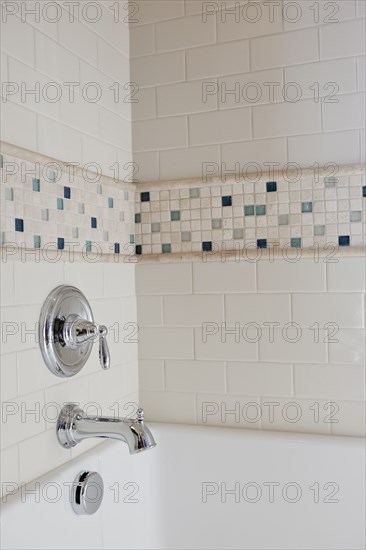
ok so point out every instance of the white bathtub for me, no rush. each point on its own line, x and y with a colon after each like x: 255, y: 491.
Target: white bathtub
x: 174, y: 495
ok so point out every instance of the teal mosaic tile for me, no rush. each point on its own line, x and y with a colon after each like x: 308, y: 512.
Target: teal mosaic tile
x: 36, y: 185
x: 260, y: 210
x: 175, y: 216
x: 37, y: 241
x: 110, y: 202
x: 249, y: 210
x: 306, y: 207
x: 166, y: 248
x: 60, y: 204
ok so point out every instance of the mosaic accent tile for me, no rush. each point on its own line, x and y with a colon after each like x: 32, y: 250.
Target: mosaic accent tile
x: 43, y: 206
x: 344, y: 240
x: 166, y: 248
x: 271, y: 186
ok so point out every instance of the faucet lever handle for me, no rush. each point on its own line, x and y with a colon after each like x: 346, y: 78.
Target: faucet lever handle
x: 104, y: 356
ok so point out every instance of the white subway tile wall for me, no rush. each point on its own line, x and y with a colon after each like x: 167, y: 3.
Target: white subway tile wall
x: 267, y: 344
x: 31, y: 396
x: 66, y: 76
x: 198, y: 58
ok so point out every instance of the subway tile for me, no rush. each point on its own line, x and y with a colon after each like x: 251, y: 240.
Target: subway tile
x: 119, y: 280
x: 285, y: 49
x: 295, y: 415
x: 347, y: 346
x: 165, y: 343
x: 45, y: 276
x: 146, y: 166
x: 106, y: 388
x: 353, y: 33
x: 164, y: 278
x: 152, y: 12
x: 112, y: 62
x: 115, y: 130
x: 224, y: 277
x: 220, y: 127
x: 217, y: 60
x: 259, y: 378
x: 351, y: 419
x: 145, y: 107
x: 228, y: 411
x: 225, y: 343
x: 346, y: 274
x: 65, y: 142
x: 346, y: 114
x: 142, y: 40
x: 257, y: 308
x: 78, y: 38
x: 302, y: 13
x: 19, y: 126
x: 18, y: 39
x: 20, y: 330
x: 49, y: 454
x: 86, y: 276
x: 93, y: 148
x: 258, y: 151
x: 8, y: 373
x: 251, y: 88
x: 326, y: 147
x: 182, y: 33
x: 7, y: 282
x: 240, y: 25
x: 80, y: 114
x: 187, y: 163
x: 22, y: 419
x: 183, y: 98
x: 330, y: 381
x: 292, y: 344
x: 345, y: 310
x: 286, y: 119
x: 55, y: 61
x: 158, y: 69
x: 33, y: 374
x: 158, y: 134
x: 361, y: 78
x: 340, y: 71
x: 151, y: 374
x: 283, y: 276
x: 178, y: 407
x: 149, y: 311
x: 195, y: 376
x: 9, y: 468
x: 192, y: 310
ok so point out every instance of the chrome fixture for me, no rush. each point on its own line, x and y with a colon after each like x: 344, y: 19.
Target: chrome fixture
x: 73, y: 426
x: 67, y: 332
x: 88, y: 491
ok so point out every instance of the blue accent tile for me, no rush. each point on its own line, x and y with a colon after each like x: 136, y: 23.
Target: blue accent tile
x: 262, y: 243
x: 37, y: 241
x: 207, y: 246
x: 117, y: 248
x: 132, y: 239
x: 137, y: 218
x: 260, y: 210
x: 271, y: 186
x: 60, y: 204
x: 110, y: 202
x: 88, y: 246
x: 145, y: 197
x: 227, y: 201
x: 175, y: 216
x: 194, y: 193
x: 166, y: 248
x: 67, y: 193
x: 138, y: 250
x: 343, y: 240
x: 306, y: 207
x: 155, y: 227
x: 249, y: 210
x: 19, y: 225
x: 364, y: 191
x: 93, y: 223
x: 60, y: 243
x: 296, y: 242
x: 36, y: 185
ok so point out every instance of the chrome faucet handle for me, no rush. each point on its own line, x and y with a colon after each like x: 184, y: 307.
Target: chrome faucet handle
x: 104, y: 355
x: 67, y: 331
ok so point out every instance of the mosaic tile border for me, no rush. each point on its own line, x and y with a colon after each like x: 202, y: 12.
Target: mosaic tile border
x: 47, y: 205
x: 232, y: 215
